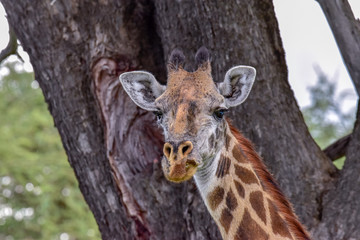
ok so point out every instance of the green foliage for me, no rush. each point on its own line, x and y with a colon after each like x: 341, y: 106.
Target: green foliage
x: 39, y: 196
x: 325, y: 117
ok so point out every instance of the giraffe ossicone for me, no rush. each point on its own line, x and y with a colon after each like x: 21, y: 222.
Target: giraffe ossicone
x: 238, y: 191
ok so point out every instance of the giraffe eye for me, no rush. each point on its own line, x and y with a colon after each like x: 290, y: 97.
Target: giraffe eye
x: 219, y: 113
x: 158, y: 115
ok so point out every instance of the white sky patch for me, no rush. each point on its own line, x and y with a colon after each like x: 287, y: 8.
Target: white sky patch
x: 308, y: 42
x: 355, y: 6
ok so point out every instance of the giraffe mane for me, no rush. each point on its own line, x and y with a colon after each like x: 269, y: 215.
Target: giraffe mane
x: 270, y: 186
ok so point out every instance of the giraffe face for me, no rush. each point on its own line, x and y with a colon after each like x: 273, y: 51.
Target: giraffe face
x: 189, y: 109
x: 190, y: 113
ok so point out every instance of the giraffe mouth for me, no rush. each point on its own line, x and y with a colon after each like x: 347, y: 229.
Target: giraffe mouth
x: 181, y: 171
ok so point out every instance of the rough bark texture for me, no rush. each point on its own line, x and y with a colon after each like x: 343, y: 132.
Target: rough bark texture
x: 78, y: 49
x: 73, y: 45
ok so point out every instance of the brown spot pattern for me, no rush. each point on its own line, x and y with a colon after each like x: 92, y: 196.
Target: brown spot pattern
x: 245, y: 175
x: 257, y: 203
x: 223, y: 166
x: 238, y: 155
x: 249, y: 229
x: 231, y: 202
x: 278, y: 224
x: 240, y: 189
x: 216, y: 197
x: 225, y: 219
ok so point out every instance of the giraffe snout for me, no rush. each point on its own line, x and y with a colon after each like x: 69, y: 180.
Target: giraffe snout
x: 181, y: 166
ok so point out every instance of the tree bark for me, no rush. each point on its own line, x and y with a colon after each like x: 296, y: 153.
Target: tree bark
x: 79, y: 48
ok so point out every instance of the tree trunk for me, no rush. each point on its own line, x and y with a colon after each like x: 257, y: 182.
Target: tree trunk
x: 79, y: 48
x: 341, y: 206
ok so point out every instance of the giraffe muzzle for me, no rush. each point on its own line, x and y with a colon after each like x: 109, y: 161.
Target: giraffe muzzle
x: 181, y: 167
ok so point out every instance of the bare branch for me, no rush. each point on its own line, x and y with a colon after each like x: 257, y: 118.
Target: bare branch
x: 338, y: 149
x: 11, y: 48
x: 346, y: 30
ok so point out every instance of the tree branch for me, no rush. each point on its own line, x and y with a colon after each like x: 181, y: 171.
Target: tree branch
x: 341, y: 204
x: 341, y: 201
x: 346, y: 30
x: 11, y: 47
x: 338, y: 149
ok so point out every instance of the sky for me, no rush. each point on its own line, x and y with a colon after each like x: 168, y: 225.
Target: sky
x: 309, y: 44
x: 307, y: 40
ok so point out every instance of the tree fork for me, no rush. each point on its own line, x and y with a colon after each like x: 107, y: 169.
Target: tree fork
x: 338, y: 149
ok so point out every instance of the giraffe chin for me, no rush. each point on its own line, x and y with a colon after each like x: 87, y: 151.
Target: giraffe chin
x: 181, y: 172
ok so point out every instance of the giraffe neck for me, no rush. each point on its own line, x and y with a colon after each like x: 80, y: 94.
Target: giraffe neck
x: 238, y: 199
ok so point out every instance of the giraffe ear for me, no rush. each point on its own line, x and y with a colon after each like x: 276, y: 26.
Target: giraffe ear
x: 237, y: 85
x: 142, y: 88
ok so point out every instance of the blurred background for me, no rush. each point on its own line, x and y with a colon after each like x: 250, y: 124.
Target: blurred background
x: 39, y: 195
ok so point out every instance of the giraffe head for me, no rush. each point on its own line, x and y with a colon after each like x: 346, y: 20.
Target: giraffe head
x: 190, y: 109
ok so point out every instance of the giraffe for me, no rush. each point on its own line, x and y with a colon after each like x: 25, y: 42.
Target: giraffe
x: 239, y: 192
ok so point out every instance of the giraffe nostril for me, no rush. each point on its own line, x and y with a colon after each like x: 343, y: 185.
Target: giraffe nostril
x: 167, y: 150
x: 185, y: 149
